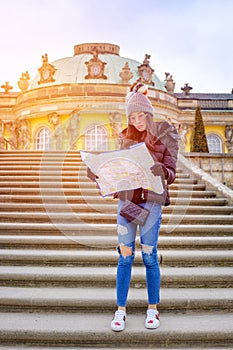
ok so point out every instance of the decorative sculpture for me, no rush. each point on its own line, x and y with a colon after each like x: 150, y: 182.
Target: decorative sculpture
x: 229, y: 137
x: 186, y: 89
x: 169, y: 83
x: 24, y: 134
x: 12, y: 128
x: 23, y: 82
x: 6, y: 87
x: 46, y: 71
x: 126, y: 73
x: 72, y: 129
x: 2, y: 134
x: 145, y: 71
x: 54, y: 119
x: 116, y: 123
x: 95, y: 67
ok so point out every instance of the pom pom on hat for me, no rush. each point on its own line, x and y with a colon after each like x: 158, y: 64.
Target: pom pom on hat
x: 137, y: 101
x: 139, y: 87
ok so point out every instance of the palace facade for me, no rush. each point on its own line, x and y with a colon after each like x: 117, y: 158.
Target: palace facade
x: 78, y: 102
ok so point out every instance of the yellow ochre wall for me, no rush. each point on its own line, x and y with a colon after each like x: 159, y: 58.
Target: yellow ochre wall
x: 209, y: 129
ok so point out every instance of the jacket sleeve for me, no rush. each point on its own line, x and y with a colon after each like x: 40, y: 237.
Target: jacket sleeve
x: 171, y: 154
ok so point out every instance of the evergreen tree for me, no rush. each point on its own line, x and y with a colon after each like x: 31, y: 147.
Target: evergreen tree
x: 198, y: 137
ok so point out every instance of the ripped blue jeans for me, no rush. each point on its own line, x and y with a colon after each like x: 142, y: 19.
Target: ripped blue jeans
x: 149, y: 234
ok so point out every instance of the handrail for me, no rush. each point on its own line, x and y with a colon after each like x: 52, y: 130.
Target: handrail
x: 207, y: 179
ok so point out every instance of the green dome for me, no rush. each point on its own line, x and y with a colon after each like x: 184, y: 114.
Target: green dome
x: 73, y: 70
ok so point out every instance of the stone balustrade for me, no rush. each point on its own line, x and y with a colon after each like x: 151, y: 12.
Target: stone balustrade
x: 218, y: 165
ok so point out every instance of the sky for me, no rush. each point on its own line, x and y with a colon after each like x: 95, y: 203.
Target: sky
x: 190, y: 39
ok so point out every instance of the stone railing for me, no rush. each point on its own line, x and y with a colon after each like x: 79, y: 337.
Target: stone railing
x: 217, y: 165
x: 210, y: 176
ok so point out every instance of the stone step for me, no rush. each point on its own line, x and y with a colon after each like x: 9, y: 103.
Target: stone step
x: 72, y: 163
x: 108, y: 242
x: 93, y: 257
x: 73, y: 230
x: 68, y: 178
x: 19, y: 347
x: 29, y: 185
x: 103, y: 218
x: 57, y: 299
x: 104, y: 276
x: 89, y: 329
x: 38, y: 153
x: 44, y: 167
x: 32, y: 192
x: 112, y: 208
x: 177, y: 198
x: 79, y: 171
x: 15, y: 161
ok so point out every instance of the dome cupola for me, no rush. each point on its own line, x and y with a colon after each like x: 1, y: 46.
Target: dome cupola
x: 95, y: 63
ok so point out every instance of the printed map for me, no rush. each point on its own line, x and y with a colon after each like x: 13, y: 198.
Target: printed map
x: 123, y: 170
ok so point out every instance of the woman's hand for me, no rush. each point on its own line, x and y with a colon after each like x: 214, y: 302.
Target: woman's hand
x: 91, y: 175
x: 159, y: 169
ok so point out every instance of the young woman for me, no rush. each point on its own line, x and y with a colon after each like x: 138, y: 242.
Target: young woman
x: 162, y: 141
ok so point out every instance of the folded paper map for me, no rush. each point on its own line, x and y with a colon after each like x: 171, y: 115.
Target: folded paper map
x: 122, y: 170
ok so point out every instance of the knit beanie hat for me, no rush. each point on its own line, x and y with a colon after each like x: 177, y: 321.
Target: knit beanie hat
x: 137, y: 101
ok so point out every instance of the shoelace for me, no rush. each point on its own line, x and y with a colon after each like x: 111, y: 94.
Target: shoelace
x: 152, y: 314
x: 119, y: 316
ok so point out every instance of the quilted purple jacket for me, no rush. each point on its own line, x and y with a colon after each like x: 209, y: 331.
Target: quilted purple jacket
x: 164, y: 150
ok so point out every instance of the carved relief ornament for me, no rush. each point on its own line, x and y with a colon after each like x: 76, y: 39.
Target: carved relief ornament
x: 46, y: 71
x: 145, y: 71
x: 95, y: 67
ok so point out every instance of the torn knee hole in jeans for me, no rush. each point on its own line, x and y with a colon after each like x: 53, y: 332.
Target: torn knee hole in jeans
x: 124, y: 250
x: 147, y: 249
x: 122, y: 230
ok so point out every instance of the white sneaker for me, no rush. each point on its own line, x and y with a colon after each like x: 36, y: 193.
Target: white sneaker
x: 152, y: 319
x: 118, y: 323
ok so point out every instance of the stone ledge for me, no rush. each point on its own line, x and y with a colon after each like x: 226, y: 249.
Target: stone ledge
x: 207, y: 179
x: 78, y: 329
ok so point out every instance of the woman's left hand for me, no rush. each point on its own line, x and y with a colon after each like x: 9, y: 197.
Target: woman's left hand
x: 159, y: 169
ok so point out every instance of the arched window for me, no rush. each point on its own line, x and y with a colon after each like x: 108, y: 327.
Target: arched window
x: 96, y: 139
x: 43, y: 139
x: 214, y: 143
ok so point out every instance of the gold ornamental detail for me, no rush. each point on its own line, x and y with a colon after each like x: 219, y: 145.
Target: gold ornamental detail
x: 46, y: 71
x: 95, y: 67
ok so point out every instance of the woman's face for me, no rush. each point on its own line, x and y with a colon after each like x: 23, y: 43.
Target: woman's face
x: 138, y: 120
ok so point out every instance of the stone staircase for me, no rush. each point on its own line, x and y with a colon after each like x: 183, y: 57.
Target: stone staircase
x: 58, y: 262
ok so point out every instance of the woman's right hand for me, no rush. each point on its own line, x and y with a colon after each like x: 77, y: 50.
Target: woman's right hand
x: 91, y: 175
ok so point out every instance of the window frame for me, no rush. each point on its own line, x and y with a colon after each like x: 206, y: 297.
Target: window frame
x: 216, y: 138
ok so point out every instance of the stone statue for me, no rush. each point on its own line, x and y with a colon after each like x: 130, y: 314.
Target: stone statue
x: 54, y: 119
x: 72, y: 129
x: 182, y: 132
x: 229, y: 137
x: 116, y: 123
x: 186, y: 89
x: 1, y: 134
x: 58, y: 134
x: 24, y: 134
x: 146, y: 60
x: 12, y: 128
